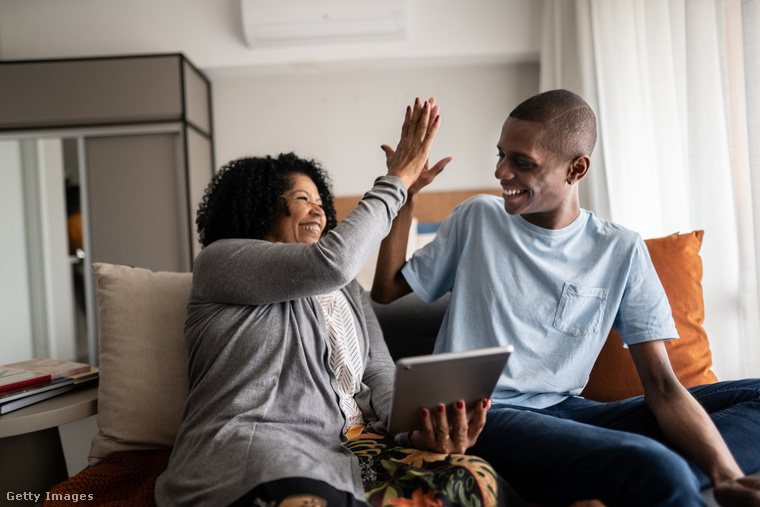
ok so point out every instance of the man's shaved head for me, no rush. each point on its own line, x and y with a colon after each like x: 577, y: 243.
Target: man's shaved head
x: 570, y: 124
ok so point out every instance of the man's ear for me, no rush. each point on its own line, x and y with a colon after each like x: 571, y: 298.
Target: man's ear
x: 578, y: 169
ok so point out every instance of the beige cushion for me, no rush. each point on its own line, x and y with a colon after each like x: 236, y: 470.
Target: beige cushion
x: 143, y: 358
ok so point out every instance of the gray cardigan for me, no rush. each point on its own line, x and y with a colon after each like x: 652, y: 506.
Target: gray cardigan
x: 263, y: 402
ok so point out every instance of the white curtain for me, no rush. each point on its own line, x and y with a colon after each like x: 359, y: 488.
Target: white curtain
x: 672, y: 83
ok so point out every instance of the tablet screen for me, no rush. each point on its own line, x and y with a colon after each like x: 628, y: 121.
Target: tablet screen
x: 430, y: 380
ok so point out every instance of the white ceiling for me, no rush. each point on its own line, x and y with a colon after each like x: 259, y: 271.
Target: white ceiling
x: 210, y: 34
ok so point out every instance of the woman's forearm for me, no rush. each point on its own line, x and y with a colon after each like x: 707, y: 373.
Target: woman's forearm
x: 254, y: 272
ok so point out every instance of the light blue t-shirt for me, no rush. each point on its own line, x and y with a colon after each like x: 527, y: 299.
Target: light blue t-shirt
x: 553, y: 294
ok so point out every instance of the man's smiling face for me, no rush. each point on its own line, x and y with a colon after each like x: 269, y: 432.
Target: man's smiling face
x: 534, y: 181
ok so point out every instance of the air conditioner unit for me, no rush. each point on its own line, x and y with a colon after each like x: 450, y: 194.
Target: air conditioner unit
x: 293, y: 22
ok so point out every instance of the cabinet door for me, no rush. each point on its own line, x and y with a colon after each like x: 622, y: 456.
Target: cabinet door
x: 137, y: 201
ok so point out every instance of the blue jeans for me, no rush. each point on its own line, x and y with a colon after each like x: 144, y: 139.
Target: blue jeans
x: 615, y: 451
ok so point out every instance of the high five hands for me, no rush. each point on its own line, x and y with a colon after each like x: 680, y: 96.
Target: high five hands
x: 440, y: 435
x: 409, y: 161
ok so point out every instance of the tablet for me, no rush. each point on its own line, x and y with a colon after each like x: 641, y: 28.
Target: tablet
x: 427, y: 381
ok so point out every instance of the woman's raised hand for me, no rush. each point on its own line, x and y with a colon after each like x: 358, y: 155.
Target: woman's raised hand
x: 440, y: 435
x: 410, y: 156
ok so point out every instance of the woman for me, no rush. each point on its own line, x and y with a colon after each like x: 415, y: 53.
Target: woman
x: 290, y: 380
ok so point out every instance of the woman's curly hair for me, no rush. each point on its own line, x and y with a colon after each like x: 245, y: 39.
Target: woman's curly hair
x: 243, y: 197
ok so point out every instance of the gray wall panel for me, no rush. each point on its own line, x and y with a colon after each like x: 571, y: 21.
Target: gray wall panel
x: 133, y: 193
x: 81, y: 92
x: 197, y: 105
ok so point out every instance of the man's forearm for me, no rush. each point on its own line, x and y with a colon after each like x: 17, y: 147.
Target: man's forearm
x: 389, y: 284
x: 686, y: 424
x: 680, y: 417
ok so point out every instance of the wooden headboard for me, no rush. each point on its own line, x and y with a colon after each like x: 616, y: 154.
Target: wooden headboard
x: 431, y: 206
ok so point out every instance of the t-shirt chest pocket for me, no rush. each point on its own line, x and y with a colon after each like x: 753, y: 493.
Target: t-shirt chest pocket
x: 580, y: 310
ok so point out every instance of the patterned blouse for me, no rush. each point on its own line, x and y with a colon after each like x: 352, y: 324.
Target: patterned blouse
x: 345, y: 355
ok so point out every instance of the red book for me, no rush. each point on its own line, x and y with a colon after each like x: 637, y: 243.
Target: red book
x: 12, y: 378
x: 55, y: 368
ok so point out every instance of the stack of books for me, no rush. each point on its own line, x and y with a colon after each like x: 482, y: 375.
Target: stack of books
x: 28, y: 382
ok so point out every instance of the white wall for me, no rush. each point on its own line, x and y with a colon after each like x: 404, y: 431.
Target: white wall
x: 342, y: 118
x: 210, y: 33
x: 59, y: 304
x: 14, y: 282
x: 34, y: 245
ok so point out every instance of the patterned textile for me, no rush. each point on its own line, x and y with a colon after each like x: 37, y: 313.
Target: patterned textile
x: 392, y: 475
x: 395, y: 475
x: 345, y: 355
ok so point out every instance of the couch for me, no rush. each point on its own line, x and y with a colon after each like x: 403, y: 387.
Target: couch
x: 143, y: 363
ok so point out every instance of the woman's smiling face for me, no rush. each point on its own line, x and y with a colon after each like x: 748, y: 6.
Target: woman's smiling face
x: 306, y: 220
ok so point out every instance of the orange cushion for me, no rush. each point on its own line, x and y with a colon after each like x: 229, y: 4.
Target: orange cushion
x: 677, y: 262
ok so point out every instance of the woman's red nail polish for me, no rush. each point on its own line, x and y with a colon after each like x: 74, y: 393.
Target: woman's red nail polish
x: 425, y: 413
x: 440, y: 408
x: 460, y: 404
x: 485, y: 403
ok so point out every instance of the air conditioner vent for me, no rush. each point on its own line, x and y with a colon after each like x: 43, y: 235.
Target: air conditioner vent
x: 293, y: 22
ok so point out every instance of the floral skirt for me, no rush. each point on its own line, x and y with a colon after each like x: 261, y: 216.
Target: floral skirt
x: 395, y: 475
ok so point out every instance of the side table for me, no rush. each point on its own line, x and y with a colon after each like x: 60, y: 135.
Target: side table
x: 31, y: 454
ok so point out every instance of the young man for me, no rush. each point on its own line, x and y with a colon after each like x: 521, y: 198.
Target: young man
x: 536, y: 271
